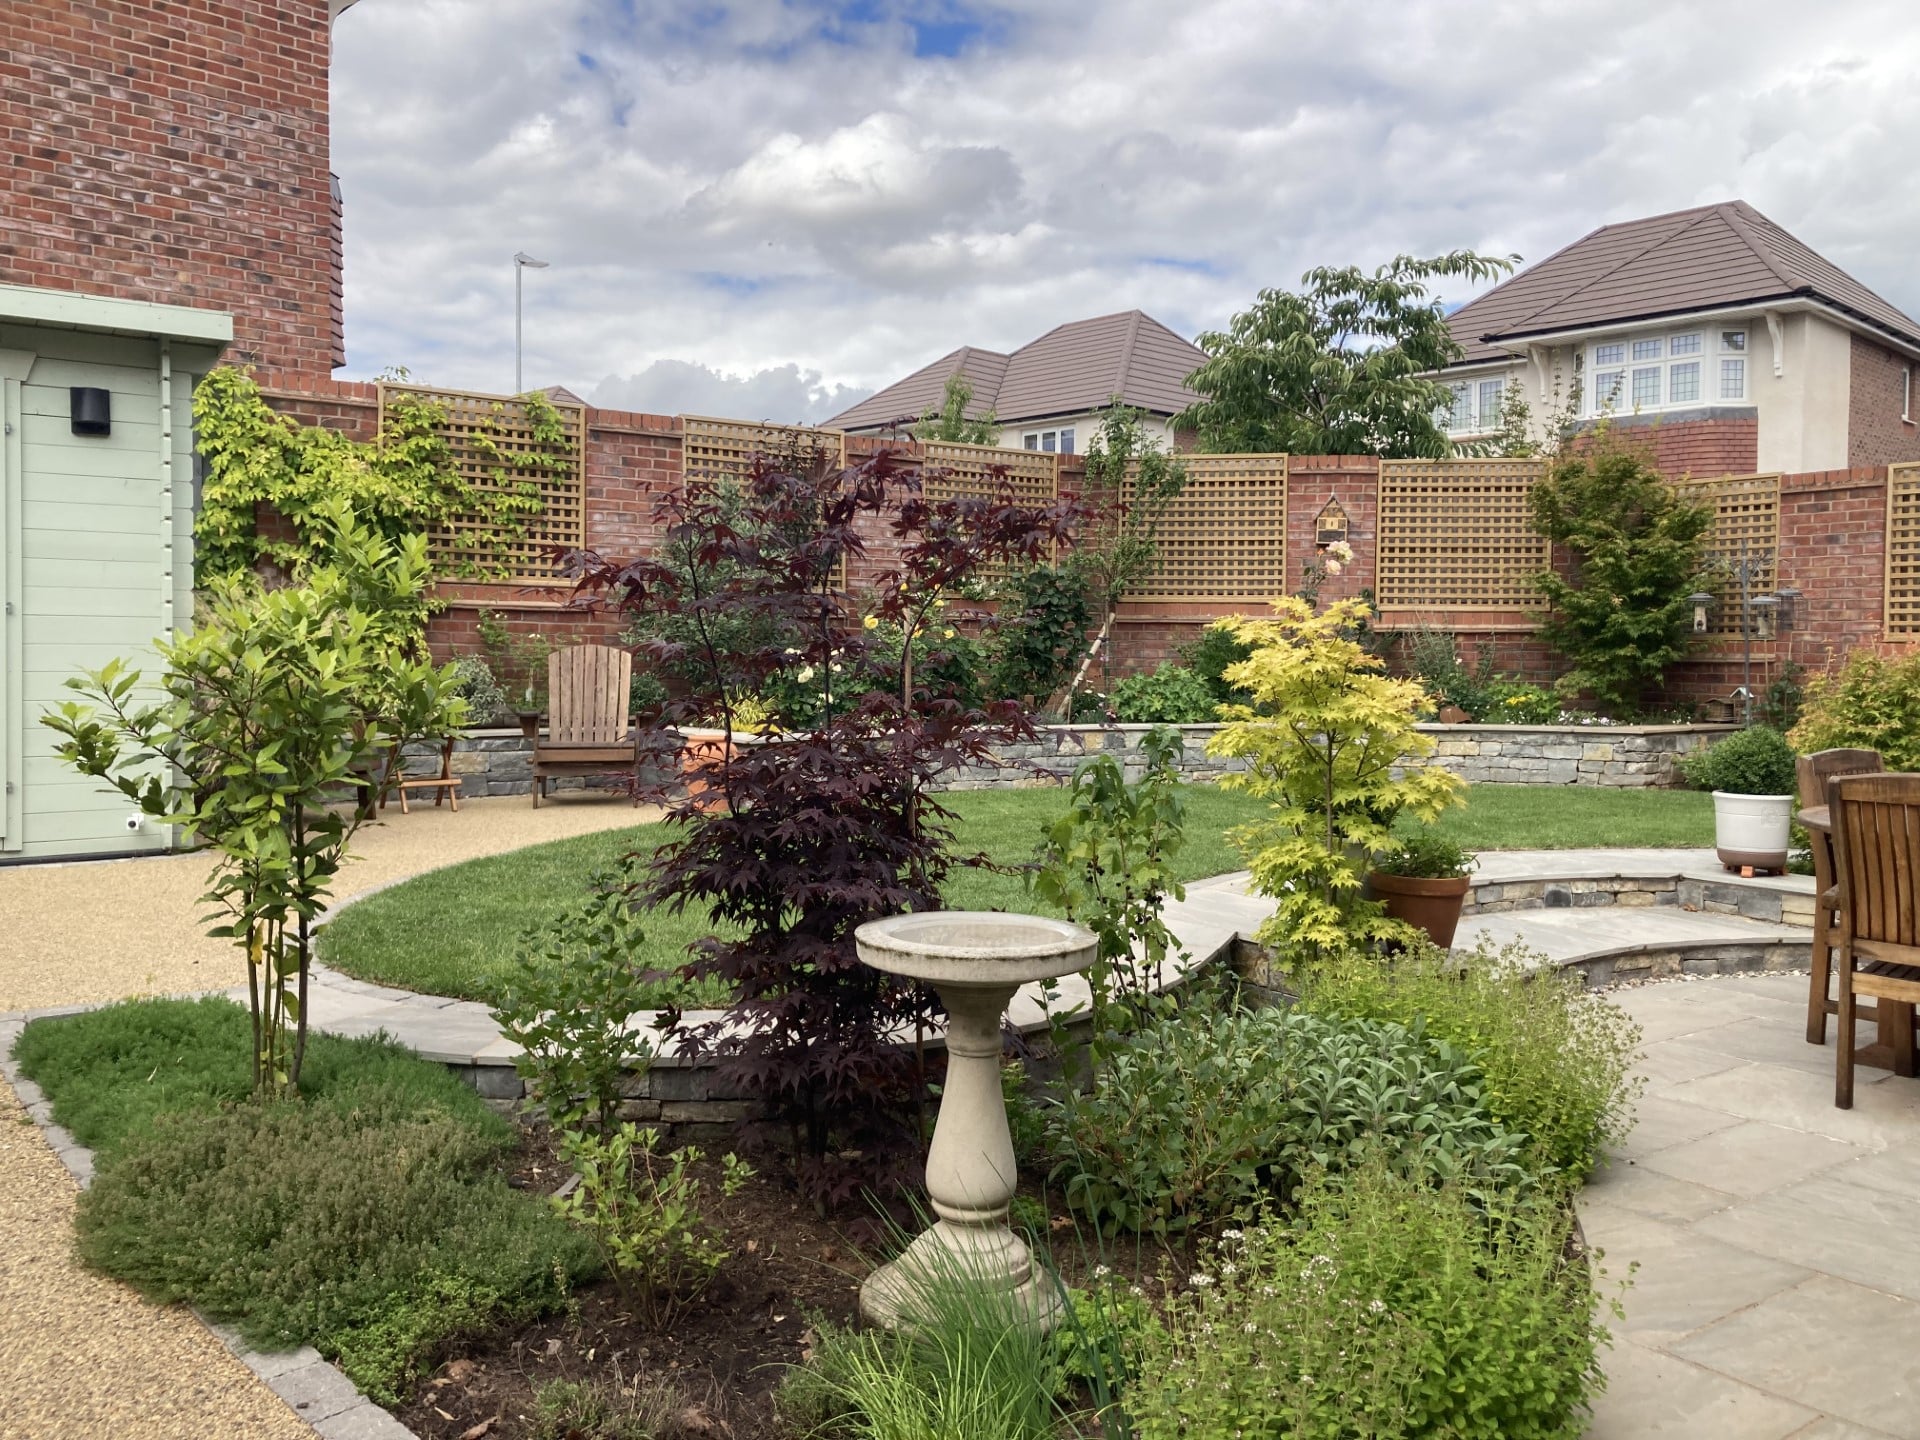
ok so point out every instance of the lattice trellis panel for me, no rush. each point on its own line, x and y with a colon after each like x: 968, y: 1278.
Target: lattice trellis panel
x: 1745, y: 530
x: 496, y: 453
x: 1224, y: 538
x: 715, y: 448
x: 1903, y: 552
x: 1030, y: 477
x: 1457, y: 535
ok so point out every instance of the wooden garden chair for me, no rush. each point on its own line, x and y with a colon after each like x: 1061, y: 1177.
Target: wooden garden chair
x: 588, y: 733
x: 1813, y: 773
x: 1876, y: 851
x: 443, y: 782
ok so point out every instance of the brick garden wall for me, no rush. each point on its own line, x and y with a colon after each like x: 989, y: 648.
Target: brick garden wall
x: 1876, y: 435
x: 176, y: 153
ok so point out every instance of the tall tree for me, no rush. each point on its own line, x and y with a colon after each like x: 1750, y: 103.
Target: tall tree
x: 950, y: 422
x: 1343, y: 367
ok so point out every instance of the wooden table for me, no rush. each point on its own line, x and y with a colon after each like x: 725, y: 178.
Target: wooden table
x: 1817, y: 821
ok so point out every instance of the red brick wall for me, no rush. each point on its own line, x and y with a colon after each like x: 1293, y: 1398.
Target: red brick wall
x: 1704, y: 449
x: 1876, y: 435
x: 175, y: 151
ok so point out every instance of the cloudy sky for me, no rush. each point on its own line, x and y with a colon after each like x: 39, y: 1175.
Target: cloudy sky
x: 770, y: 209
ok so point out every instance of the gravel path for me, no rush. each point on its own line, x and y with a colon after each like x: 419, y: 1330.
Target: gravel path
x: 81, y: 1355
x: 106, y: 929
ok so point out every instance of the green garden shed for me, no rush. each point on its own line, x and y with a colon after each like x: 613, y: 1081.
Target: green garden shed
x: 96, y: 535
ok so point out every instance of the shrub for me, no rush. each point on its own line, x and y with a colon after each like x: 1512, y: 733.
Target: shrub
x: 1331, y: 743
x: 568, y: 999
x: 1107, y: 862
x: 1433, y: 658
x: 1756, y: 761
x: 1426, y: 855
x: 1204, y: 1114
x: 473, y: 682
x: 1512, y: 702
x: 642, y: 1212
x: 1872, y: 702
x: 1555, y: 1061
x: 1041, y: 632
x: 374, y: 1231
x: 1210, y: 657
x: 1385, y: 1309
x: 1171, y: 695
x: 1622, y: 617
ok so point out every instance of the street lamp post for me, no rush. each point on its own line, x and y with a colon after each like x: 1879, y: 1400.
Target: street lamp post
x: 522, y: 262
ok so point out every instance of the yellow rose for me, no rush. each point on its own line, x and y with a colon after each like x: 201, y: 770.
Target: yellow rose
x: 947, y: 634
x: 873, y: 622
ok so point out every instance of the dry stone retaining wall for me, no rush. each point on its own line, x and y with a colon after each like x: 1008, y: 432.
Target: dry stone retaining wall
x: 500, y: 762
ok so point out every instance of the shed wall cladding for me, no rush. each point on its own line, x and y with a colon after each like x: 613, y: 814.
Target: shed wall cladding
x: 98, y: 564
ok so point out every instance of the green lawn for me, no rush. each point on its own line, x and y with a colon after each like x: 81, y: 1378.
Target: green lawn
x: 452, y: 931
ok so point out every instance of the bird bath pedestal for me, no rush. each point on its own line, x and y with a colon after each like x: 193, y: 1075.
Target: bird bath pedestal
x: 976, y: 960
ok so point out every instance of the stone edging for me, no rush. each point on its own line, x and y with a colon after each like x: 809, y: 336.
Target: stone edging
x: 318, y: 1394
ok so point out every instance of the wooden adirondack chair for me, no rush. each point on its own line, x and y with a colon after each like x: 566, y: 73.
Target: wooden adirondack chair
x: 588, y: 732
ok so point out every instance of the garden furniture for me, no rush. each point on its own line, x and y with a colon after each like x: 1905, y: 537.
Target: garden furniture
x: 1813, y: 773
x: 588, y: 732
x: 1876, y: 849
x: 444, y: 783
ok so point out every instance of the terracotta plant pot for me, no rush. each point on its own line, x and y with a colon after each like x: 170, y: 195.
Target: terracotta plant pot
x: 1432, y: 905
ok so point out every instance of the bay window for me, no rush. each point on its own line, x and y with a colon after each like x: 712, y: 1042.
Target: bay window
x: 1665, y: 371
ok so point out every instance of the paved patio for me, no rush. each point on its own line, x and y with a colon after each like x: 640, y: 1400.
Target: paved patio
x: 1778, y: 1288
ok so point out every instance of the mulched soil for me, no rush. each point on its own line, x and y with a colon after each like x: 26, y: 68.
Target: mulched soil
x: 724, y: 1353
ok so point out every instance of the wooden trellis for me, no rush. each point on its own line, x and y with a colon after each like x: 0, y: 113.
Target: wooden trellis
x: 717, y: 448
x: 1029, y: 477
x: 1903, y: 552
x: 1224, y: 537
x: 1745, y: 529
x: 496, y: 454
x: 1458, y: 535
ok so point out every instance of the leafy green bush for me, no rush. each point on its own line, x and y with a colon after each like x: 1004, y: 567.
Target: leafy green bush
x: 1204, y: 1113
x: 1040, y: 634
x: 1756, y: 761
x: 1555, y: 1061
x: 373, y: 1232
x: 1433, y: 658
x: 473, y: 682
x: 642, y: 1212
x: 1171, y: 695
x: 1210, y: 657
x: 1385, y: 1309
x: 572, y: 990
x: 1513, y: 702
x: 1426, y: 855
x: 367, y: 1217
x: 1872, y: 702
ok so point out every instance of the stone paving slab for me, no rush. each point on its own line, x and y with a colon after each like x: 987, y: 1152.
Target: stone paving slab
x: 1567, y: 936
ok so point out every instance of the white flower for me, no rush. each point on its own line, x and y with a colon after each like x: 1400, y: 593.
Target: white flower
x: 1333, y: 567
x: 1200, y: 1282
x: 1376, y: 1306
x: 1232, y: 1234
x: 1100, y: 1272
x: 805, y: 674
x: 1341, y: 553
x: 1229, y: 1269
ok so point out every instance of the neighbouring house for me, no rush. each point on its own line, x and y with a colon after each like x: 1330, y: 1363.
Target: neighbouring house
x: 1746, y: 350
x: 1048, y: 394
x: 168, y: 199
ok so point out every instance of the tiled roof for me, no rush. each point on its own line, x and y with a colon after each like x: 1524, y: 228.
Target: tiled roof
x: 1071, y: 369
x: 1691, y: 260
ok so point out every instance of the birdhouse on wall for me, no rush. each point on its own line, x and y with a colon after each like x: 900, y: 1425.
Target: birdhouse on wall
x: 1330, y: 525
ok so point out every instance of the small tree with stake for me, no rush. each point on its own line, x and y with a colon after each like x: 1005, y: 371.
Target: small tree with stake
x: 270, y: 706
x: 831, y: 824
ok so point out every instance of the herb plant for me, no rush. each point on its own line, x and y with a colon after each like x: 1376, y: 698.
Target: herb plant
x: 1755, y: 761
x: 1426, y: 855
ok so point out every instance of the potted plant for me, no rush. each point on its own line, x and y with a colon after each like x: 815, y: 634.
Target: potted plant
x: 1424, y: 883
x: 1751, y: 775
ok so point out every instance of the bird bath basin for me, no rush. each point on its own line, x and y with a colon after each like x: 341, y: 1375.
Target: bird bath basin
x: 976, y: 960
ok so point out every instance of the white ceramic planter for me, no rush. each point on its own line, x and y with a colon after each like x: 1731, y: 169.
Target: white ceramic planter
x: 976, y: 959
x: 1752, y: 830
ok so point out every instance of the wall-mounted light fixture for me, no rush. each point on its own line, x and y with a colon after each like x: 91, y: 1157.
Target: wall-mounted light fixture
x: 91, y: 410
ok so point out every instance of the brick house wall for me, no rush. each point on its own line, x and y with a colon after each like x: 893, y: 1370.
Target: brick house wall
x: 1881, y: 388
x: 176, y: 151
x: 1718, y: 443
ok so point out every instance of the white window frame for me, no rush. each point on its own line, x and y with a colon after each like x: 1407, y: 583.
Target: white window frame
x: 1703, y: 345
x: 1050, y: 442
x: 1472, y: 417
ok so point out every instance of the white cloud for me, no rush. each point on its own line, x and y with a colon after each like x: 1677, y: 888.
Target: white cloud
x: 787, y: 204
x: 783, y: 394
